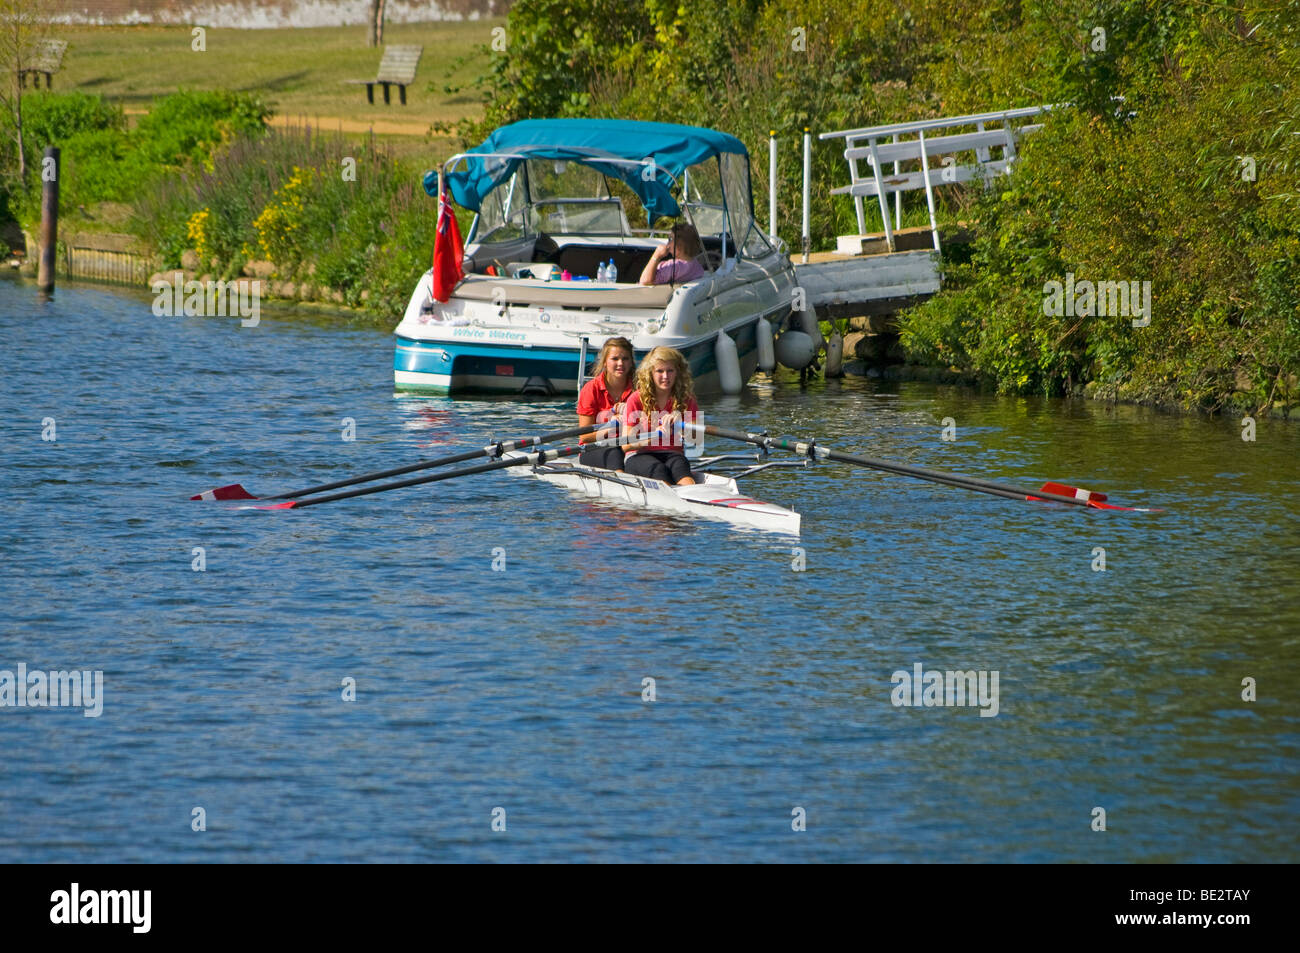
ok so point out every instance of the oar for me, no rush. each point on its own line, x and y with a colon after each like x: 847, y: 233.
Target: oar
x: 541, y: 456
x: 236, y: 491
x: 1056, y: 492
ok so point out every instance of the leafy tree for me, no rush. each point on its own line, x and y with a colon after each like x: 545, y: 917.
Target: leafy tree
x: 23, y: 26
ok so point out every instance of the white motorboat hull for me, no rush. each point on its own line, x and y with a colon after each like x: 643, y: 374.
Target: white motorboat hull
x: 472, y: 345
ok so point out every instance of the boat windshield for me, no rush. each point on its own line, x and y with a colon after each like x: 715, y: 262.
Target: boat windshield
x: 556, y: 197
x: 719, y: 202
x: 703, y: 201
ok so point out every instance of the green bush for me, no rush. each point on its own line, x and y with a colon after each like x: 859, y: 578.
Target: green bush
x: 190, y: 126
x: 327, y: 212
x: 102, y: 160
x: 67, y: 120
x: 54, y: 118
x: 1156, y: 194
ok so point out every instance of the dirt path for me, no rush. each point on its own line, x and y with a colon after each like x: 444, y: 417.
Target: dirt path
x: 383, y: 127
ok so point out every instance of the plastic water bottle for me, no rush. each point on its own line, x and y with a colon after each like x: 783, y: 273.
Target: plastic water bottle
x: 611, y: 272
x: 600, y: 272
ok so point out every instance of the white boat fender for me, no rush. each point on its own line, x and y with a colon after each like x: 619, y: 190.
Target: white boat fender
x: 795, y: 350
x: 766, y: 346
x: 725, y: 353
x: 835, y: 355
x: 808, y: 325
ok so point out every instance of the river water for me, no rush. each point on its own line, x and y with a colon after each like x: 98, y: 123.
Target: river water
x: 517, y: 695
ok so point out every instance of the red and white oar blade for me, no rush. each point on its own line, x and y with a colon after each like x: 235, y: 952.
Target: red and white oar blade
x: 1064, y: 489
x: 1091, y: 497
x: 233, y: 492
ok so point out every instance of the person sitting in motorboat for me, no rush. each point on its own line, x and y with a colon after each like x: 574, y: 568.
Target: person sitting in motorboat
x: 602, y: 399
x: 676, y: 260
x: 664, y: 396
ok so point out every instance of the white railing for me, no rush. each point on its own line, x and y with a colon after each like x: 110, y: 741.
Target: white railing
x: 878, y: 145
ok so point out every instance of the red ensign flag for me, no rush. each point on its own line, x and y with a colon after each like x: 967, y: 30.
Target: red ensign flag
x: 448, y: 250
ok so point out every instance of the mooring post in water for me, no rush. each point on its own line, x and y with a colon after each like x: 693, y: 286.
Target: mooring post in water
x: 807, y: 176
x: 49, y: 218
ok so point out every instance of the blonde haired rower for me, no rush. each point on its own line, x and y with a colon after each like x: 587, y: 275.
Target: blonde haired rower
x: 664, y: 395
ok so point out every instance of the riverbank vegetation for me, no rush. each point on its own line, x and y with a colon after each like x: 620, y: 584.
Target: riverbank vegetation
x: 217, y: 182
x: 1178, y: 162
x: 342, y: 221
x: 1174, y: 168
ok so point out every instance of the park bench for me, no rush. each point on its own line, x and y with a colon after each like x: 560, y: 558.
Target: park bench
x: 396, y: 68
x: 47, y: 59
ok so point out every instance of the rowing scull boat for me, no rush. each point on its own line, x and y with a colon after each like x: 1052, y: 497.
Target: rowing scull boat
x: 714, y: 497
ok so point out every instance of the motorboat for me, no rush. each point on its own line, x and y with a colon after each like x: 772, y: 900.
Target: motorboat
x: 555, y: 202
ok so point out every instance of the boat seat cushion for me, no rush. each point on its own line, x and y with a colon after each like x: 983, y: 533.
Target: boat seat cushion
x: 585, y: 259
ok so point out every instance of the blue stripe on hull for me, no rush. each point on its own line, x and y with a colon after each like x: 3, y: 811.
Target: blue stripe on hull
x: 515, y: 366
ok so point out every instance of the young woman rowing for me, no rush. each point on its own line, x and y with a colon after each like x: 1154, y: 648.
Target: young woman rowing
x: 602, y: 398
x: 664, y: 396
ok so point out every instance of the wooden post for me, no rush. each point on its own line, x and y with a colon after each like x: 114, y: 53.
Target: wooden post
x: 49, y: 218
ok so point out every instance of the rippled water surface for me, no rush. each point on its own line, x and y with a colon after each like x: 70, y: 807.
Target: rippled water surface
x: 522, y: 689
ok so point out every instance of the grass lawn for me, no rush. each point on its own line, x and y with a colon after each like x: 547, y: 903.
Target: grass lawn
x: 299, y: 71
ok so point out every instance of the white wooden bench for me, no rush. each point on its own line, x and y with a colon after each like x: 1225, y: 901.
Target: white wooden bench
x: 396, y: 68
x: 979, y: 142
x: 885, y: 144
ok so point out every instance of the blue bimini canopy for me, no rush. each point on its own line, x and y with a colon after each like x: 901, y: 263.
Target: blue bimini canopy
x: 673, y: 148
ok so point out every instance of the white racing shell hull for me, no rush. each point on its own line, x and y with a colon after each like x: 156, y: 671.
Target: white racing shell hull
x: 714, y: 498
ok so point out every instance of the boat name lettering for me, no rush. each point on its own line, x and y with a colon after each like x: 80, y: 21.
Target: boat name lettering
x: 494, y: 334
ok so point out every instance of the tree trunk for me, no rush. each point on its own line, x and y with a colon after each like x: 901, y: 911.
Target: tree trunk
x: 18, y: 109
x: 18, y: 123
x: 376, y: 24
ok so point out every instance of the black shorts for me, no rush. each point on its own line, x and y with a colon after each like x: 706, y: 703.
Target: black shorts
x: 604, y: 458
x: 666, y: 465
